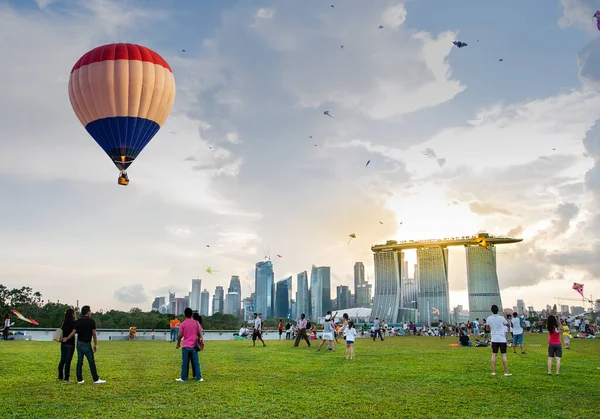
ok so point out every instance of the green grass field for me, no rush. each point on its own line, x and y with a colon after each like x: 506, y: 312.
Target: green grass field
x: 400, y: 377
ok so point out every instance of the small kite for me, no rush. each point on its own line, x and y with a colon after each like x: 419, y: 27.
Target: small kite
x: 211, y: 270
x: 332, y: 5
x: 279, y: 256
x: 597, y: 16
x: 182, y: 50
x: 367, y: 163
x: 435, y: 311
x: 342, y: 47
x: 553, y: 149
x: 380, y: 26
x: 579, y: 288
x: 310, y: 136
x: 327, y: 113
x: 381, y: 222
x: 400, y: 223
x: 481, y: 241
x: 208, y: 245
x: 501, y: 59
x: 460, y: 44
x: 25, y: 319
x: 316, y: 145
x: 352, y: 236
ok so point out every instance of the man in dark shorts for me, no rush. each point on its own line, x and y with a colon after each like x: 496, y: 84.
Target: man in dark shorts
x: 495, y: 324
x: 257, y: 331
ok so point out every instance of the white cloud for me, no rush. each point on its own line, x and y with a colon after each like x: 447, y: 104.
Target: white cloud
x: 394, y: 16
x: 181, y: 232
x: 265, y: 13
x: 133, y: 293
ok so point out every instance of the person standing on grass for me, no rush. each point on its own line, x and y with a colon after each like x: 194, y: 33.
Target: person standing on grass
x: 496, y: 324
x: 554, y: 346
x: 6, y: 326
x: 288, y: 330
x: 200, y: 321
x: 280, y: 328
x: 67, y: 349
x: 566, y: 336
x: 517, y: 332
x: 476, y: 327
x: 377, y: 329
x: 328, y: 331
x: 441, y: 330
x: 189, y: 331
x: 85, y: 328
x: 302, y: 332
x: 350, y: 332
x: 174, y: 324
x: 257, y: 331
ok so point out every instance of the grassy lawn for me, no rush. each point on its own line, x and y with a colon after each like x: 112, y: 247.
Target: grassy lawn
x: 400, y: 377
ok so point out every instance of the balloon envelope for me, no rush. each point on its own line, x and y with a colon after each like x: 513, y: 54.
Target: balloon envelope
x: 122, y: 94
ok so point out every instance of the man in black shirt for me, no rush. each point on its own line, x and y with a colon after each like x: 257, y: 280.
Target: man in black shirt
x: 85, y: 328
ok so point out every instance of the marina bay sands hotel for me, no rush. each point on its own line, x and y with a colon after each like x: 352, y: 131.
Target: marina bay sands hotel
x: 426, y: 299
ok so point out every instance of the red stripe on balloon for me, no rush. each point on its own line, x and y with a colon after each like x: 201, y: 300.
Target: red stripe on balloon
x: 113, y: 52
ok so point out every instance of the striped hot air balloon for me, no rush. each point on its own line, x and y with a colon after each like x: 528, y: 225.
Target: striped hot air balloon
x: 122, y: 95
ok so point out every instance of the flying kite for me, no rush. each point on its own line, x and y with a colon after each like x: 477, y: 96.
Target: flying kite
x: 380, y: 26
x: 342, y: 47
x: 367, y: 163
x: 122, y: 94
x: 460, y: 44
x: 435, y: 311
x: 579, y: 288
x: 279, y: 256
x: 481, y: 241
x: 25, y: 319
x: 352, y: 236
x: 208, y: 245
x: 211, y: 270
x: 327, y: 113
x: 332, y: 5
x: 182, y: 50
x: 381, y: 222
x: 597, y: 16
x: 501, y: 59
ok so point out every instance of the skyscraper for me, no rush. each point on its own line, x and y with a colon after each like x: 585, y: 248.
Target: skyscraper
x: 433, y: 301
x: 283, y: 298
x: 320, y: 291
x: 195, y: 295
x: 232, y: 303
x: 363, y: 295
x: 235, y: 285
x: 410, y: 292
x: 359, y: 277
x: 204, y: 301
x: 302, y: 295
x: 343, y: 297
x: 482, y: 281
x: 520, y: 307
x: 387, y: 299
x: 263, y: 289
x: 218, y: 300
x: 248, y: 308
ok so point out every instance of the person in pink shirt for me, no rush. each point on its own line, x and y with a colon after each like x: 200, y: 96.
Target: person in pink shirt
x: 554, y: 346
x: 189, y: 331
x: 302, y: 331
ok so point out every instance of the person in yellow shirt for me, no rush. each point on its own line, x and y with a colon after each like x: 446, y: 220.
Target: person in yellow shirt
x: 566, y: 336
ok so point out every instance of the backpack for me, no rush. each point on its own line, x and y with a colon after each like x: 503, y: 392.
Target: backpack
x: 308, y: 325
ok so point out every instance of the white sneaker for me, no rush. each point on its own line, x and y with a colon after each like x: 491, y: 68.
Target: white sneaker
x: 81, y: 382
x: 99, y: 381
x: 180, y: 380
x: 200, y: 380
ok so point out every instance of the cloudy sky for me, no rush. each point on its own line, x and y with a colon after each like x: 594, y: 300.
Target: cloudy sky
x: 458, y: 142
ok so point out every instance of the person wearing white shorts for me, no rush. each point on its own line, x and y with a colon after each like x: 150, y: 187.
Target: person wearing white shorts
x: 328, y: 331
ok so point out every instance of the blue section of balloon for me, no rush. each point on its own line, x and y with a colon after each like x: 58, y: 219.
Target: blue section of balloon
x: 122, y: 136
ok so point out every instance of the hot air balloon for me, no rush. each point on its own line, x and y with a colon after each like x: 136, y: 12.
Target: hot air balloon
x: 122, y: 95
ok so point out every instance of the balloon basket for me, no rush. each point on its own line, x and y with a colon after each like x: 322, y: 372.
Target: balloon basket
x: 123, y: 181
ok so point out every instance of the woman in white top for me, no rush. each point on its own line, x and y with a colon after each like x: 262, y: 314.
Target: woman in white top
x: 350, y: 337
x: 6, y: 326
x: 328, y: 331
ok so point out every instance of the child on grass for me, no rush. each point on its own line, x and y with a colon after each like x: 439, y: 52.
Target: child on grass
x: 350, y: 336
x: 566, y: 335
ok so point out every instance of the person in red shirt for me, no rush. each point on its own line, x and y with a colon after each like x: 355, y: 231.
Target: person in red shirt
x: 280, y: 328
x: 554, y: 346
x: 189, y: 331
